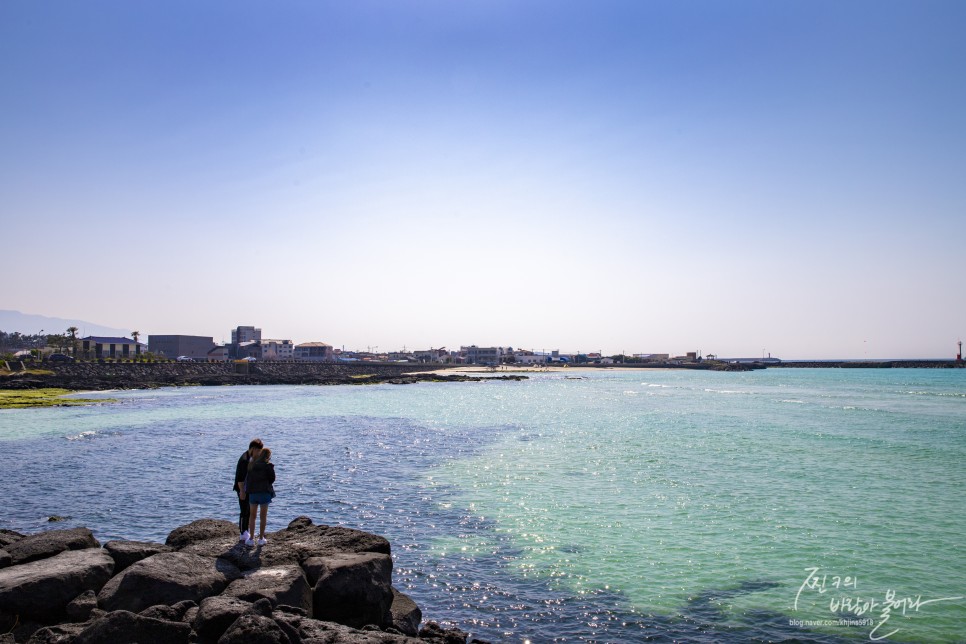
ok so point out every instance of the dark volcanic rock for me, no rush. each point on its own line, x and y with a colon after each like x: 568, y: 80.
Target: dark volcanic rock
x: 406, y: 615
x: 175, y: 613
x: 50, y: 543
x: 43, y: 589
x: 80, y: 608
x: 123, y: 626
x: 313, y: 631
x: 201, y: 530
x: 125, y: 553
x: 281, y: 585
x: 57, y: 634
x: 254, y: 629
x: 5, y: 559
x: 9, y: 536
x: 436, y: 633
x: 216, y: 614
x: 352, y: 588
x: 166, y: 578
x: 293, y: 545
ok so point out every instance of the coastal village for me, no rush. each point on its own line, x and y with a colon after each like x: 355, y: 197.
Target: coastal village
x: 247, y: 344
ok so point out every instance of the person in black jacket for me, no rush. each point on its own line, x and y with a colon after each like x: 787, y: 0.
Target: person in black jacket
x: 241, y: 472
x: 261, y: 475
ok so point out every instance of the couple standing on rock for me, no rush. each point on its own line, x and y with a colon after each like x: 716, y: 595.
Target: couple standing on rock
x: 254, y: 476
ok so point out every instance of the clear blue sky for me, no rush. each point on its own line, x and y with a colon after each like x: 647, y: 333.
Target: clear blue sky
x: 731, y: 177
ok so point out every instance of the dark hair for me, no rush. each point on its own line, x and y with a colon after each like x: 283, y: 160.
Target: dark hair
x: 256, y: 442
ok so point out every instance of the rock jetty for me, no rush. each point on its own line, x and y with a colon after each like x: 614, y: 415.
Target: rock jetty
x: 94, y: 376
x: 312, y: 584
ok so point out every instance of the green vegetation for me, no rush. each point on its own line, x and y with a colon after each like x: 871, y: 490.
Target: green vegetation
x: 19, y: 399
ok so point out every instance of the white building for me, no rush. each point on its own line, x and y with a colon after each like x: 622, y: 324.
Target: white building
x: 530, y: 357
x: 278, y: 350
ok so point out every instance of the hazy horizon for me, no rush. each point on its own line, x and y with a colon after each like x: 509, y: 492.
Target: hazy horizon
x: 622, y: 176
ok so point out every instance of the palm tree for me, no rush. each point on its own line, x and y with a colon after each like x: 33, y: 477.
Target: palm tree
x: 72, y: 333
x: 135, y: 335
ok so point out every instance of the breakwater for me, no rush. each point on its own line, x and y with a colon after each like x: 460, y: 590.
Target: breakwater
x: 869, y: 364
x: 95, y: 376
x: 309, y: 584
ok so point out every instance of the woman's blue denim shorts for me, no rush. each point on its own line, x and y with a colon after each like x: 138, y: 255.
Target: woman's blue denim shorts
x: 259, y: 498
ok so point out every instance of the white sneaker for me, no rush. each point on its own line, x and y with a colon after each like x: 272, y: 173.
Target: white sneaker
x: 262, y: 541
x: 244, y: 536
x: 249, y: 543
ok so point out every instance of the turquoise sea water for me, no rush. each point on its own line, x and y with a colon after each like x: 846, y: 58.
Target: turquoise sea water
x: 592, y: 506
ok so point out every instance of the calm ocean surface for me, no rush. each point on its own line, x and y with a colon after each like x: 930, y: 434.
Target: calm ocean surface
x: 616, y: 506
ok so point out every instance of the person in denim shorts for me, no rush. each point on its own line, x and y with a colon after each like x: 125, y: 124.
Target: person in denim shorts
x: 258, y: 484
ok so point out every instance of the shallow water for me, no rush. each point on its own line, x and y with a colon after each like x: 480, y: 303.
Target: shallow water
x: 622, y: 506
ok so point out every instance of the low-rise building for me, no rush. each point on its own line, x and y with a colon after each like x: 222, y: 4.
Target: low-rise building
x: 174, y: 346
x: 484, y: 355
x: 247, y: 350
x: 314, y: 351
x: 431, y: 355
x: 277, y: 349
x: 219, y: 354
x: 524, y: 356
x: 107, y: 347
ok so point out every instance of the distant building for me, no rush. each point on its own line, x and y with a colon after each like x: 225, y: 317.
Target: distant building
x: 106, y: 347
x: 251, y: 349
x: 523, y: 356
x: 483, y: 355
x: 218, y: 354
x: 657, y: 357
x: 245, y: 334
x: 768, y: 360
x: 277, y: 349
x: 431, y: 355
x: 174, y: 346
x: 315, y: 351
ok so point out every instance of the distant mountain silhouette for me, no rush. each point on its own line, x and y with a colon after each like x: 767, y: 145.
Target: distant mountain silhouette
x: 11, y: 321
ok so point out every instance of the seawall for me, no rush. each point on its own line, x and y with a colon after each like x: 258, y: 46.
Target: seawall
x: 94, y: 376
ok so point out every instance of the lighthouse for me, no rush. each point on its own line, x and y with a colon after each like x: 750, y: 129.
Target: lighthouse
x: 959, y: 354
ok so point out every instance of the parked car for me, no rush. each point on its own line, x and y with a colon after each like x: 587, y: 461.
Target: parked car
x: 60, y: 358
x: 184, y: 359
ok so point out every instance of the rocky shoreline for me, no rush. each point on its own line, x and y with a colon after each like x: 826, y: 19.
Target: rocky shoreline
x: 94, y: 376
x: 311, y: 584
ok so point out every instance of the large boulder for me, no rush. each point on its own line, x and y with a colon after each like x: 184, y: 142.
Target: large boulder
x: 42, y: 589
x: 81, y: 607
x: 405, y: 614
x: 354, y: 589
x: 125, y: 553
x: 9, y: 536
x: 293, y: 545
x: 56, y: 634
x: 313, y: 631
x: 166, y: 578
x: 281, y: 585
x: 175, y: 613
x: 216, y: 614
x: 201, y: 530
x: 47, y: 544
x: 123, y: 626
x: 255, y: 629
